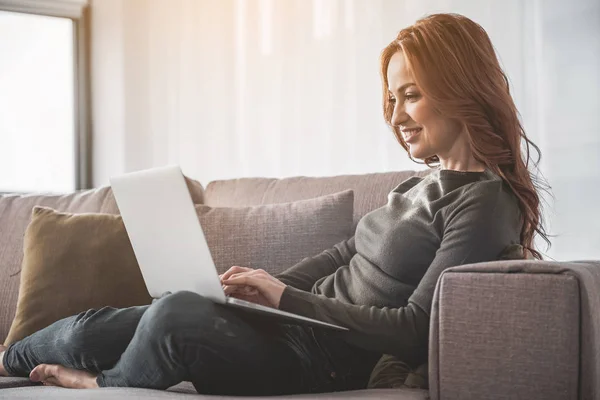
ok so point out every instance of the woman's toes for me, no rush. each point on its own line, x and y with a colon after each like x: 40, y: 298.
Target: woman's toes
x: 47, y: 373
x: 41, y: 373
x: 34, y: 375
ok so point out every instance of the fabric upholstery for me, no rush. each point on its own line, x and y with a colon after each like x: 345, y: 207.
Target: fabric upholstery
x: 276, y: 236
x: 13, y: 382
x: 15, y: 215
x: 72, y: 263
x: 514, y: 328
x: 370, y: 190
x: 53, y: 393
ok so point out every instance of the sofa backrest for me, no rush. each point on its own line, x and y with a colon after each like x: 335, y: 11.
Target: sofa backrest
x: 370, y: 190
x: 15, y: 215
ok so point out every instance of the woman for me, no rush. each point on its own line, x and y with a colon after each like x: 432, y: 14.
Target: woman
x: 448, y: 103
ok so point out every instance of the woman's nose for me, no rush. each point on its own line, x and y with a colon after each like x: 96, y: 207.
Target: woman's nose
x: 398, y: 116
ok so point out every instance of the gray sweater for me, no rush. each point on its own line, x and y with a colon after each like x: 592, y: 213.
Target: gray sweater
x: 380, y: 283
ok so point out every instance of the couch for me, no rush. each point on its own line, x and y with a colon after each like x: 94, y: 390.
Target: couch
x: 518, y: 329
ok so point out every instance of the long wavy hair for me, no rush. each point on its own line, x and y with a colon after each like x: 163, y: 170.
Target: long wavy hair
x: 454, y: 64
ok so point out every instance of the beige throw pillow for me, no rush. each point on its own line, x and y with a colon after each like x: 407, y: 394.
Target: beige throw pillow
x: 71, y: 263
x: 74, y: 262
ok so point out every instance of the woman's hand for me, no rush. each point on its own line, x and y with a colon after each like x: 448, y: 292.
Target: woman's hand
x: 255, y: 285
x: 243, y: 292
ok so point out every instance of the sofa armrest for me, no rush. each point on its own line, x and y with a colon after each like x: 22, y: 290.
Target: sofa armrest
x: 516, y: 330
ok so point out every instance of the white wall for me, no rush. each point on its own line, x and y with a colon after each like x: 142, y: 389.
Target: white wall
x: 568, y: 122
x: 232, y: 88
x: 108, y: 90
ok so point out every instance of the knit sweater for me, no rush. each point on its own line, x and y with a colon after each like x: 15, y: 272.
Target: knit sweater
x: 380, y: 283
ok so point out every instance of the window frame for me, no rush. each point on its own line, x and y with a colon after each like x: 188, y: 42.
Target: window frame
x: 78, y: 12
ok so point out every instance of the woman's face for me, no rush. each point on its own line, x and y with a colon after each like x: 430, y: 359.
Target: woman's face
x: 426, y: 132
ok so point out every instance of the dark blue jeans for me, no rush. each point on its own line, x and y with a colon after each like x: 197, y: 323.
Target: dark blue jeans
x: 185, y: 337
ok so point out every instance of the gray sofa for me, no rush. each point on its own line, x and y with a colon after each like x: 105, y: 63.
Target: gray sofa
x: 499, y: 330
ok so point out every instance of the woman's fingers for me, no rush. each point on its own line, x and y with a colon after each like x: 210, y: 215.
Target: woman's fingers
x: 230, y: 271
x: 237, y: 279
x: 229, y: 289
x: 249, y: 290
x: 234, y: 270
x: 242, y: 289
x: 254, y: 278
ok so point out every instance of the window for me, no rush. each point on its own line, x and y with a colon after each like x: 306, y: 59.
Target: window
x: 37, y: 127
x: 42, y: 108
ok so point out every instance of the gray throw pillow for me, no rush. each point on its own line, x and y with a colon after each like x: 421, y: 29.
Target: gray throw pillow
x: 276, y: 236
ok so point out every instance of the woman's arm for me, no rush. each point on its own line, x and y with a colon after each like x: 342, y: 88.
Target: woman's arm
x: 239, y: 281
x: 476, y: 230
x: 304, y: 274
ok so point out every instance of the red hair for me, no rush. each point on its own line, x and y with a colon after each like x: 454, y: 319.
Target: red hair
x: 454, y: 64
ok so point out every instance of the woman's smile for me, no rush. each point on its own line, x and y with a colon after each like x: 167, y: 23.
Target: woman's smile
x: 410, y: 134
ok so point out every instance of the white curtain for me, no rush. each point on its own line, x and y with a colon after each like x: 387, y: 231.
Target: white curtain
x: 235, y: 88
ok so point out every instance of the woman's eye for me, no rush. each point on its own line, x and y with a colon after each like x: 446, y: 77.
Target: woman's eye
x: 411, y: 96
x: 391, y: 99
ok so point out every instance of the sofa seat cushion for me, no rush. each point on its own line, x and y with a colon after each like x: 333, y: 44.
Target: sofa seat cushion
x: 7, y: 382
x: 50, y: 393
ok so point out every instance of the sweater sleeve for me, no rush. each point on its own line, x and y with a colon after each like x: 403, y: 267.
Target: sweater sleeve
x: 304, y: 274
x: 476, y: 231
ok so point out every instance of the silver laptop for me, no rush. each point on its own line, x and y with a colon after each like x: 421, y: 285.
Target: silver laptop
x: 169, y: 243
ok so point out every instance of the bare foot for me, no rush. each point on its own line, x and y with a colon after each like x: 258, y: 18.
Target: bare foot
x: 57, y: 375
x: 2, y: 370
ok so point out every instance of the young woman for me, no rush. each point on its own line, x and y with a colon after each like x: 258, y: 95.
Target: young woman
x: 447, y: 101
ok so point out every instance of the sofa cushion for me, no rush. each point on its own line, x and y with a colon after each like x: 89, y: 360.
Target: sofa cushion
x: 370, y: 190
x: 276, y: 236
x: 51, y: 393
x: 72, y: 263
x: 13, y: 382
x: 15, y: 215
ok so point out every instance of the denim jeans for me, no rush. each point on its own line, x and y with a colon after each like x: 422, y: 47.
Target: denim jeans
x: 186, y: 337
